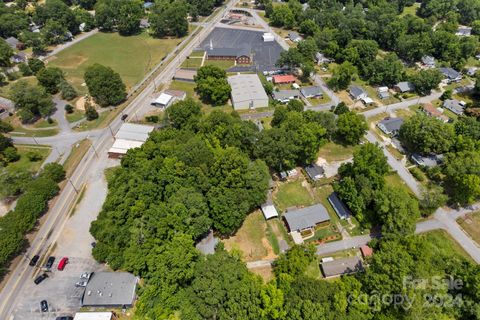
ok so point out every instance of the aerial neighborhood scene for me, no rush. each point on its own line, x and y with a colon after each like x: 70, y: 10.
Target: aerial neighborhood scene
x: 239, y: 159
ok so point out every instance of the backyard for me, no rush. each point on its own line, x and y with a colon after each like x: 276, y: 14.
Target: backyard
x: 332, y: 151
x: 253, y: 239
x: 292, y: 194
x: 132, y: 57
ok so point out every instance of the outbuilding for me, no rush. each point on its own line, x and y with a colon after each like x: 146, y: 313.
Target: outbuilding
x: 247, y: 92
x: 340, y: 208
x: 268, y: 209
x: 163, y: 100
x: 314, y: 172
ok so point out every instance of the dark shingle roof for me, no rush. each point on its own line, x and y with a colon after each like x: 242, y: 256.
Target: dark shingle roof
x: 339, y: 207
x: 228, y: 52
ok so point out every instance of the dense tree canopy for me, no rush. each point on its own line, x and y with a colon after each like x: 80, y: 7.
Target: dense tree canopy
x: 169, y: 19
x: 31, y: 101
x: 105, y: 85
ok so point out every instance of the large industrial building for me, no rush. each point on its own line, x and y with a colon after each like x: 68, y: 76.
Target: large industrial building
x: 247, y: 92
x: 110, y: 289
x: 128, y: 137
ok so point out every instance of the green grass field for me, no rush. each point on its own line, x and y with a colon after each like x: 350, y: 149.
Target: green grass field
x: 5, y: 89
x: 132, y: 57
x: 77, y: 115
x: 224, y: 64
x: 292, y: 194
x: 394, y: 180
x: 24, y: 163
x: 336, y: 152
x: 445, y: 244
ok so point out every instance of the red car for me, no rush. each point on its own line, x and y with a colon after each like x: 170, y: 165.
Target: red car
x: 62, y: 263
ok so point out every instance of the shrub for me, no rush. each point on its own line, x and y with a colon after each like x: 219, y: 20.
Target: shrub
x: 153, y: 119
x: 53, y: 171
x: 69, y: 108
x: 25, y: 69
x: 417, y: 174
x: 11, y: 154
x: 91, y: 113
x: 33, y: 156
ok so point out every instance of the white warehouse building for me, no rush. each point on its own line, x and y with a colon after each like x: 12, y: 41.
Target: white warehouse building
x: 129, y: 136
x: 247, y: 92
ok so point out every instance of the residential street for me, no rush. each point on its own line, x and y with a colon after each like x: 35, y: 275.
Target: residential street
x: 397, y: 166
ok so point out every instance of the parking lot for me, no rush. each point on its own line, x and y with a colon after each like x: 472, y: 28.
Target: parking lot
x: 265, y: 54
x: 75, y: 243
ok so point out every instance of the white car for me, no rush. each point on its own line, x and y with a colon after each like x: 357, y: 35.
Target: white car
x: 81, y: 284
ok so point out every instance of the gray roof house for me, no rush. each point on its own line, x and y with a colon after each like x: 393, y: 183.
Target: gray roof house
x: 321, y: 59
x: 285, y: 95
x: 12, y: 42
x: 342, y: 266
x: 427, y: 161
x: 110, y: 289
x: 311, y: 92
x: 404, y: 86
x: 451, y: 75
x: 357, y: 92
x: 390, y: 126
x: 294, y: 36
x: 464, y: 31
x: 454, y: 105
x: 339, y: 207
x: 306, y: 218
x: 428, y: 61
x: 314, y: 171
x: 19, y: 57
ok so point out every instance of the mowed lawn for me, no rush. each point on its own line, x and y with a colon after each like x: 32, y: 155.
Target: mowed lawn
x: 132, y: 57
x: 292, y: 194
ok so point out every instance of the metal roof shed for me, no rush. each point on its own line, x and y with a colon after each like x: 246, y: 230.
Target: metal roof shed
x: 339, y: 207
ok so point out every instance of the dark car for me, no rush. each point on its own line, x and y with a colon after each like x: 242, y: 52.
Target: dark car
x: 40, y: 278
x: 64, y: 318
x: 44, y: 306
x: 50, y: 262
x: 124, y: 116
x: 34, y: 260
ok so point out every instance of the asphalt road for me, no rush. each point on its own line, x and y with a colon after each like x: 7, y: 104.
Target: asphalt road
x: 57, y: 215
x: 397, y: 166
x: 443, y: 218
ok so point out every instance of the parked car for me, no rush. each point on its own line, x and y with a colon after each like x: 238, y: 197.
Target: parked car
x: 44, y: 305
x: 40, y: 278
x: 124, y: 117
x: 34, y: 260
x: 50, y: 262
x: 64, y: 318
x: 63, y: 262
x: 81, y: 284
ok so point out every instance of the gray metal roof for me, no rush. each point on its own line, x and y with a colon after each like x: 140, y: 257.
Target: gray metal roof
x: 392, y: 124
x: 338, y: 267
x: 405, y: 86
x: 453, y: 105
x: 314, y: 171
x: 285, y: 94
x: 339, y: 207
x: 110, y: 289
x: 308, y: 217
x: 294, y: 35
x: 12, y: 42
x: 450, y: 73
x: 428, y: 60
x: 228, y: 52
x: 247, y: 87
x: 356, y: 91
x: 427, y: 161
x: 311, y: 91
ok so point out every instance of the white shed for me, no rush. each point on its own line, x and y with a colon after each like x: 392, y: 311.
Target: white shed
x: 268, y: 37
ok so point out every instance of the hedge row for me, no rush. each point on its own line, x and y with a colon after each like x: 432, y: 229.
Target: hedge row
x: 17, y: 223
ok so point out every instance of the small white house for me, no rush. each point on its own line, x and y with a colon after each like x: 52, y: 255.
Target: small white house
x: 163, y: 100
